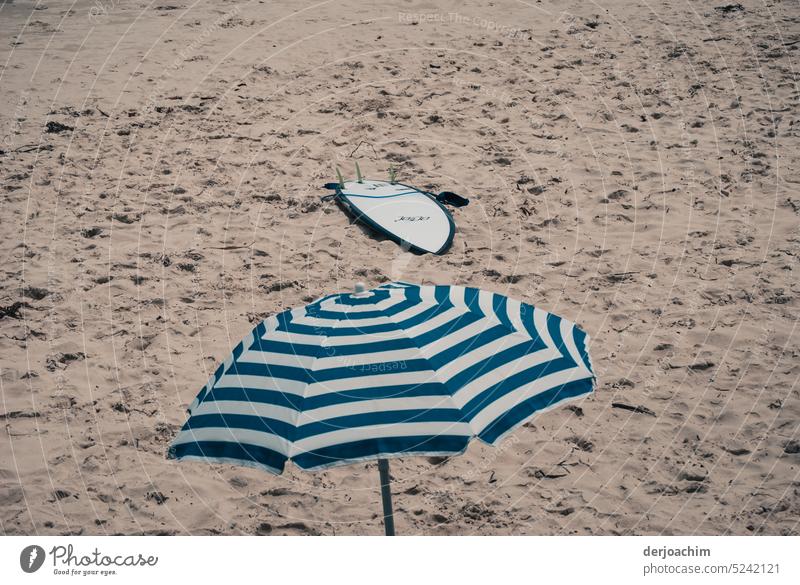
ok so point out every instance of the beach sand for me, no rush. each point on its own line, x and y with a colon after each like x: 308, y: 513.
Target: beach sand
x: 631, y: 166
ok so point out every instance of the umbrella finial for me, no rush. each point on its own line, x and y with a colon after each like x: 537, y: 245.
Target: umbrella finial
x: 360, y: 287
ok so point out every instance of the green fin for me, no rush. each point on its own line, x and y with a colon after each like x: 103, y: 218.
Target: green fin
x: 339, y: 174
x: 358, y: 174
x: 392, y: 174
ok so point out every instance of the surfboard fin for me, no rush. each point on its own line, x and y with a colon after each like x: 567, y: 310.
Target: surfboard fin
x: 358, y: 174
x: 392, y: 174
x: 339, y: 174
x: 451, y: 198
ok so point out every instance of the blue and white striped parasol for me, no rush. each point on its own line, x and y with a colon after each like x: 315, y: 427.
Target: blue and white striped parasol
x: 396, y: 371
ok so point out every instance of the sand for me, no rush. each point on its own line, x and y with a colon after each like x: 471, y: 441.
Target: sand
x: 632, y: 167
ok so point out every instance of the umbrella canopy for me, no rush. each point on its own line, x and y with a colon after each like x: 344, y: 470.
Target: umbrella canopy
x: 399, y: 370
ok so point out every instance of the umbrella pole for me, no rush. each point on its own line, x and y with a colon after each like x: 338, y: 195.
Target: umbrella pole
x: 386, y: 495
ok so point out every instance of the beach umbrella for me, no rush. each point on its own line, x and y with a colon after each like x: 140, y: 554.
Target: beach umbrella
x: 396, y: 371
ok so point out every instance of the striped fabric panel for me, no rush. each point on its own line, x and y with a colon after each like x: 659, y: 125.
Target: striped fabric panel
x: 399, y: 370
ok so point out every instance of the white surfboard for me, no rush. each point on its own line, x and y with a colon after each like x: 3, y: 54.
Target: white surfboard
x: 405, y: 214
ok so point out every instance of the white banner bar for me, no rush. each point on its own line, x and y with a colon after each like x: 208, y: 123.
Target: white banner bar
x: 388, y: 561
